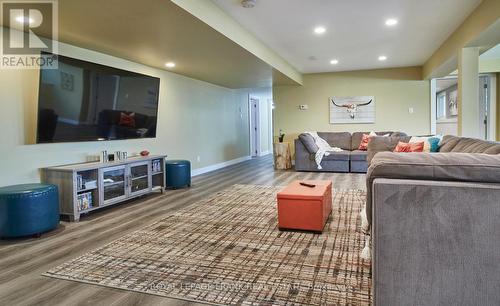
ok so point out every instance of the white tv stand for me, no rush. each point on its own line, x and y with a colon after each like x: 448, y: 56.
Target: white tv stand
x: 105, y: 184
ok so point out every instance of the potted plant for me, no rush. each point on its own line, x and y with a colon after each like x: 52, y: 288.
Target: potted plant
x: 281, y: 136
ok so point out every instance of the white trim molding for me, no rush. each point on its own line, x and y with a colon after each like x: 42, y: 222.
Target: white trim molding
x: 218, y: 166
x: 433, y: 106
x: 254, y: 103
x: 264, y: 153
x: 492, y: 135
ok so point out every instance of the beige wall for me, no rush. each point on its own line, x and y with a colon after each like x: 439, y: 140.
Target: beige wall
x: 195, y: 119
x: 395, y: 91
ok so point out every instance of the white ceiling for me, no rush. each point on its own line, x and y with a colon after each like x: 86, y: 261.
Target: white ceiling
x: 356, y: 31
x: 493, y: 53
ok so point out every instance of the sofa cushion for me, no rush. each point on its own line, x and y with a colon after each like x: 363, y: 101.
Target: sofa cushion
x: 463, y: 167
x: 359, y: 155
x: 358, y: 136
x: 383, y: 144
x: 344, y: 156
x: 308, y: 142
x: 398, y: 134
x: 340, y: 140
x: 468, y: 145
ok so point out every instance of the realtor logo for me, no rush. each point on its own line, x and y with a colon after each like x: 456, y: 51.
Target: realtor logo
x: 29, y: 32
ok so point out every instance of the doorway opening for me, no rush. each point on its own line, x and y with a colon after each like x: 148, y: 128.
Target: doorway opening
x: 444, y: 106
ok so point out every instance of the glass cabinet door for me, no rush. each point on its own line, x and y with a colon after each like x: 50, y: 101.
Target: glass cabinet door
x: 114, y: 184
x: 139, y: 178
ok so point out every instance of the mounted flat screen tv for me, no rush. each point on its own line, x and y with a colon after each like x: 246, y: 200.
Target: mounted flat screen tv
x: 84, y: 101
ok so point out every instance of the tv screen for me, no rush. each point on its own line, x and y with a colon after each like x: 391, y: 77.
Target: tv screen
x: 83, y: 101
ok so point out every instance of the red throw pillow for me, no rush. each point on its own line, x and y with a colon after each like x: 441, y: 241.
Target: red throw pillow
x: 417, y: 146
x: 127, y: 120
x: 363, y: 146
x: 404, y: 147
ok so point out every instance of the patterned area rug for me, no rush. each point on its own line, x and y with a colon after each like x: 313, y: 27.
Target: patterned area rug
x: 228, y: 250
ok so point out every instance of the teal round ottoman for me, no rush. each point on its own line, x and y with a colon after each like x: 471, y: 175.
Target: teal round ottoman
x: 30, y: 209
x: 177, y: 173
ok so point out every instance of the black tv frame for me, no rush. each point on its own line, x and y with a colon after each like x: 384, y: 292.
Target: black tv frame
x: 43, y: 53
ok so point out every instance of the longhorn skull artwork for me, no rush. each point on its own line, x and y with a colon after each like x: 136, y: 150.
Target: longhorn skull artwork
x: 352, y: 107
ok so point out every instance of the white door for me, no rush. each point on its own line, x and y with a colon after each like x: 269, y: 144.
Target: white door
x: 254, y: 126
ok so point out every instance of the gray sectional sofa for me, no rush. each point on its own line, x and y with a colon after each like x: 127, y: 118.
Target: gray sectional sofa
x: 435, y: 223
x: 349, y: 160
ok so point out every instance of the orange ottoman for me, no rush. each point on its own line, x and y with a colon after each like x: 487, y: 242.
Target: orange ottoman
x: 305, y: 208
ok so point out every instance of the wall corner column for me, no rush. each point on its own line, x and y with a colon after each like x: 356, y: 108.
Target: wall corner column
x: 469, y: 123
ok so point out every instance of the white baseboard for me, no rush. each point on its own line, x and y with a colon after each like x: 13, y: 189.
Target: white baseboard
x: 211, y: 168
x: 265, y: 153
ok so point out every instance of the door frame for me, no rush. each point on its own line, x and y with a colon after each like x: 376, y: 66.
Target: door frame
x: 270, y: 109
x: 492, y: 116
x: 254, y: 133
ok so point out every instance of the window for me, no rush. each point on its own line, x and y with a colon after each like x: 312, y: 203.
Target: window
x: 441, y: 106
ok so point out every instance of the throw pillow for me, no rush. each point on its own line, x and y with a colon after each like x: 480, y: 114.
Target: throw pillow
x: 127, y: 120
x: 434, y: 142
x: 431, y: 143
x: 417, y: 147
x: 363, y: 146
x: 404, y: 147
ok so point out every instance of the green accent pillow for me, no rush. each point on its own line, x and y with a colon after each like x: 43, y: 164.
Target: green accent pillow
x: 434, y: 142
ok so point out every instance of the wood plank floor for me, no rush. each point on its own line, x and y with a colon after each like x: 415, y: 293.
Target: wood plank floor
x: 23, y: 261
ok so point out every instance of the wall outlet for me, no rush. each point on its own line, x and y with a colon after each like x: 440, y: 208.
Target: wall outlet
x: 303, y: 107
x: 410, y: 110
x: 198, y: 158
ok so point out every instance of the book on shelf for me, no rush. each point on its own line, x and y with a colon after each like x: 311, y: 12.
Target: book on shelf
x: 84, y: 201
x: 79, y: 181
x: 156, y: 165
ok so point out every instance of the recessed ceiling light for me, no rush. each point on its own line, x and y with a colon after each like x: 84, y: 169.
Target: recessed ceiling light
x: 391, y: 22
x: 334, y: 62
x: 382, y: 58
x: 319, y: 30
x: 170, y: 65
x: 21, y: 19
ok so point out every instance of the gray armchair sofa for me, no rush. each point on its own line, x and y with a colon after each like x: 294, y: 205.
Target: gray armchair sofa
x: 349, y: 160
x: 435, y: 223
